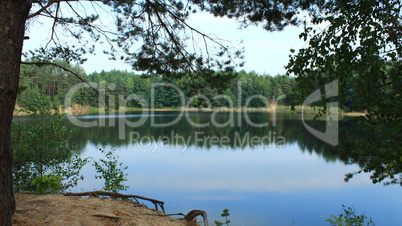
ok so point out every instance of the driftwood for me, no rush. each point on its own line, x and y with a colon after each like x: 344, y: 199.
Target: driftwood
x: 115, y: 195
x: 195, y: 213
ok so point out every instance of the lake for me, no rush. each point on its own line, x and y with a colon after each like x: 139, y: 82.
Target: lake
x: 266, y: 169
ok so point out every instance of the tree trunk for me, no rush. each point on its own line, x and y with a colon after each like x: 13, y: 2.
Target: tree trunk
x: 13, y: 14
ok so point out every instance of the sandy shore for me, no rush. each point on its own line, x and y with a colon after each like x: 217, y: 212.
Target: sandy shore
x: 57, y: 209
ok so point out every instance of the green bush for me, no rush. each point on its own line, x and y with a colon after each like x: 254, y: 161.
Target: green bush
x: 349, y: 218
x: 42, y: 147
x: 47, y: 184
x: 112, y: 171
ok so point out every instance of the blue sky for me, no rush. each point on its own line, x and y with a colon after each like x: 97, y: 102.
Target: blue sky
x: 265, y: 52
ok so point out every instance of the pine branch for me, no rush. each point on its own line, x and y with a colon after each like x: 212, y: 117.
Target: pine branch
x: 65, y: 69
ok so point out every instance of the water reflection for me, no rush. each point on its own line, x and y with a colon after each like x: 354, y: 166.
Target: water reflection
x: 238, y: 134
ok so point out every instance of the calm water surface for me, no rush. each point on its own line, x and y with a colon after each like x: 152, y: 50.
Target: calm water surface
x: 273, y: 175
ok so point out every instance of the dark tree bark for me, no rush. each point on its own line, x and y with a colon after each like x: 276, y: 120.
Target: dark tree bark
x: 13, y: 14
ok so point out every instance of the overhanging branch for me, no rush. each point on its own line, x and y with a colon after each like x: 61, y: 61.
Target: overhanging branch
x: 45, y: 7
x: 65, y: 69
x: 37, y: 13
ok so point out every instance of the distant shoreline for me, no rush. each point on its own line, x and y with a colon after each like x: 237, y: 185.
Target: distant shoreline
x: 87, y: 110
x: 354, y: 114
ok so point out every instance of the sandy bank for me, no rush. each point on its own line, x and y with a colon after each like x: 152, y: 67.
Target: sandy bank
x: 57, y: 209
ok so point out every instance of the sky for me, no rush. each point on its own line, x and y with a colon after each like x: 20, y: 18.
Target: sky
x: 265, y: 52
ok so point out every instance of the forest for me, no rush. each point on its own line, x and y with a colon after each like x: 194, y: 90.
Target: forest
x: 242, y: 86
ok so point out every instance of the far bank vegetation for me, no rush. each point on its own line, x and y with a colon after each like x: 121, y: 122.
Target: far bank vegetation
x: 244, y: 91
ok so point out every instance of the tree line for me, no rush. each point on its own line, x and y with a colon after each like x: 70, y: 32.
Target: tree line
x: 244, y: 89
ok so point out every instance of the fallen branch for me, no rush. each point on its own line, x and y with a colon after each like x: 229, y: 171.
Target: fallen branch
x: 116, y: 195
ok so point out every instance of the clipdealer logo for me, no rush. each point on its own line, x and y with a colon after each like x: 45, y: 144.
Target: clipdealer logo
x: 331, y: 134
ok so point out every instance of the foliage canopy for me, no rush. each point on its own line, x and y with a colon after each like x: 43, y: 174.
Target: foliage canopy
x: 360, y: 47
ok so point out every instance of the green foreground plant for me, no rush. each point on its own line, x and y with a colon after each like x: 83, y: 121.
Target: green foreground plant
x: 42, y: 149
x: 48, y: 184
x: 349, y: 218
x: 112, y: 171
x: 225, y: 214
x: 46, y: 162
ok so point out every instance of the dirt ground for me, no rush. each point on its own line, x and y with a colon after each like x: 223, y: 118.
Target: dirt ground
x: 61, y: 210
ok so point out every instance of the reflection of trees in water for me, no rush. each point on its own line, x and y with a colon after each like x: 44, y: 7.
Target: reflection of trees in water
x: 376, y: 149
x: 110, y: 135
x: 287, y: 126
x: 355, y: 144
x: 364, y: 147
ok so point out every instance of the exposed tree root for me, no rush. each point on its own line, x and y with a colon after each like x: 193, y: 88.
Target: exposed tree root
x: 194, y: 213
x: 115, y: 195
x: 189, y: 217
